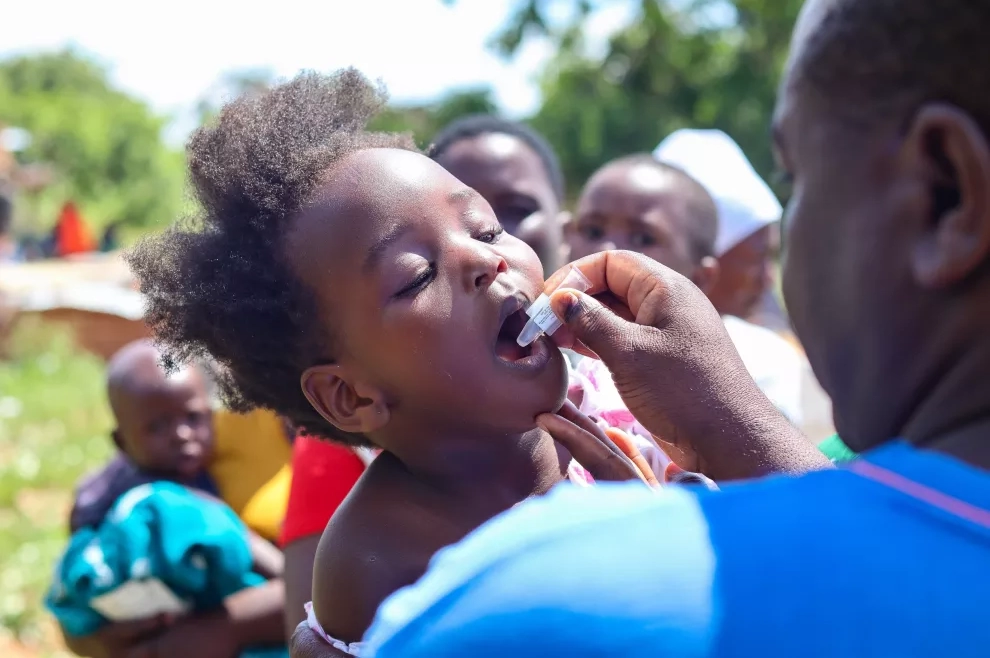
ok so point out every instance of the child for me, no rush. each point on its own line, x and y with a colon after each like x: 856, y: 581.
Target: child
x: 164, y: 432
x: 640, y: 204
x: 358, y: 288
x: 516, y: 171
x: 749, y: 214
x: 152, y: 505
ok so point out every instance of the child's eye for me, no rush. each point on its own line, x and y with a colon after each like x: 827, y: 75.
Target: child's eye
x: 642, y: 240
x: 492, y: 235
x: 421, y: 281
x: 593, y: 233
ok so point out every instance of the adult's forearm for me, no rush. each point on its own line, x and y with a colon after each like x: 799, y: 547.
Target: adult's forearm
x: 746, y: 437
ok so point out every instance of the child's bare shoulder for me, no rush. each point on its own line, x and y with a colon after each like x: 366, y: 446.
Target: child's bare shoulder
x: 380, y: 539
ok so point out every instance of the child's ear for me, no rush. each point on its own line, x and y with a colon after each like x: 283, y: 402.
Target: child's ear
x: 949, y: 152
x: 349, y: 404
x: 706, y: 274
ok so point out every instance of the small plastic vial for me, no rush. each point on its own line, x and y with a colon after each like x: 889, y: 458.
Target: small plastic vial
x: 542, y: 319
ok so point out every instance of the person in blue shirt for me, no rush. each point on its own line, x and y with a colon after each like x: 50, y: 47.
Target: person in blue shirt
x: 883, y: 128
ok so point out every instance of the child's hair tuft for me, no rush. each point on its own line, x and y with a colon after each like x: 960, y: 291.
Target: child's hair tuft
x: 219, y: 287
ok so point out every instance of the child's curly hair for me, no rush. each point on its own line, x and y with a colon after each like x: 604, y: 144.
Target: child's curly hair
x: 220, y: 287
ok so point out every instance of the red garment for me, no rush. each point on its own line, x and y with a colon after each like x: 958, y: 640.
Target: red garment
x: 323, y: 473
x: 72, y: 235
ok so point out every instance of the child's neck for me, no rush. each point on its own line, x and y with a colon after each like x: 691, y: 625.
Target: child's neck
x: 504, y: 469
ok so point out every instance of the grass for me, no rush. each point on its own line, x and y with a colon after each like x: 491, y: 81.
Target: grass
x: 54, y: 426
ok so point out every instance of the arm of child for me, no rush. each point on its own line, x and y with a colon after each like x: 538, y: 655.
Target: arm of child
x: 249, y: 618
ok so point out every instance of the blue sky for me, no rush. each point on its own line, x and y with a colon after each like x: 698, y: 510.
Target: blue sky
x: 171, y: 53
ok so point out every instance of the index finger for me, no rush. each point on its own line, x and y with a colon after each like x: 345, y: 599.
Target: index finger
x: 626, y: 275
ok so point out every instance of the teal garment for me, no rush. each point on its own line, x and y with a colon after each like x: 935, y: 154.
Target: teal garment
x: 196, y: 546
x: 835, y: 449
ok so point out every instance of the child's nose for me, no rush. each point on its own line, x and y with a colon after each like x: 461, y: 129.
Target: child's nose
x: 184, y: 432
x: 483, y: 267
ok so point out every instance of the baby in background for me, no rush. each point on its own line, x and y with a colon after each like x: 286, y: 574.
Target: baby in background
x: 150, y: 538
x: 164, y: 432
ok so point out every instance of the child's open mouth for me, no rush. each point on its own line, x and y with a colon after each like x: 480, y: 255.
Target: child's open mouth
x: 506, y: 347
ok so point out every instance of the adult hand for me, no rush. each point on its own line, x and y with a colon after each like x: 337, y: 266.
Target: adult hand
x: 609, y: 455
x: 676, y: 367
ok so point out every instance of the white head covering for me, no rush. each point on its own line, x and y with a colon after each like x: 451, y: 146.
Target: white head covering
x: 745, y: 202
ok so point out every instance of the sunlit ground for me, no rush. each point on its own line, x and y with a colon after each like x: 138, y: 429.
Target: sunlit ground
x: 54, y: 426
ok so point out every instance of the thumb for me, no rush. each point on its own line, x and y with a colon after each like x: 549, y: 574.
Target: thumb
x: 593, y: 323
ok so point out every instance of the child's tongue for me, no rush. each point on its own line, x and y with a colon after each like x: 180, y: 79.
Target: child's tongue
x: 508, y: 349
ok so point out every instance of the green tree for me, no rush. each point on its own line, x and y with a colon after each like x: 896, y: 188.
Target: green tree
x: 105, y: 146
x: 425, y: 121
x: 680, y: 63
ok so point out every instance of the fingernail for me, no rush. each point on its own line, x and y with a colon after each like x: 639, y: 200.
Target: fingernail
x: 572, y: 306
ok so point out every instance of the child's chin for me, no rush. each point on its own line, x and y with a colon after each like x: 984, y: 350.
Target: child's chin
x: 552, y: 390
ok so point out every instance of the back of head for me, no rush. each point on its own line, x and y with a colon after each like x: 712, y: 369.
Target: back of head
x: 221, y: 286
x: 486, y: 124
x: 883, y: 121
x: 745, y: 202
x: 879, y: 60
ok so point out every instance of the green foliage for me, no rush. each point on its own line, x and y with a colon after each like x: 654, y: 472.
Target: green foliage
x: 54, y: 427
x: 425, y: 121
x: 681, y: 63
x: 104, y: 145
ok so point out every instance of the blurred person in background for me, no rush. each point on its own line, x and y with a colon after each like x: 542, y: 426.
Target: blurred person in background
x: 72, y: 234
x: 637, y: 203
x: 749, y: 216
x: 9, y: 250
x: 165, y: 434
x: 517, y: 172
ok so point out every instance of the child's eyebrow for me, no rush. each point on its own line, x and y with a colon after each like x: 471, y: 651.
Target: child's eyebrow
x: 377, y: 250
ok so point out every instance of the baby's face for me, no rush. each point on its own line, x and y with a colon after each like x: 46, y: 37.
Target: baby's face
x: 633, y: 207
x: 423, y: 294
x: 166, y: 427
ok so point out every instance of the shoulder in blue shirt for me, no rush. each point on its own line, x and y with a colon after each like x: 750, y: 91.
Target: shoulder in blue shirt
x: 827, y: 564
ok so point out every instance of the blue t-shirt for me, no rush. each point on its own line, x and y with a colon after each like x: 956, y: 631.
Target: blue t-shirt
x: 891, y: 560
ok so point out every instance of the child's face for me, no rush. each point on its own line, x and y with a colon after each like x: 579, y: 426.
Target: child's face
x: 164, y: 424
x: 513, y: 180
x: 633, y: 207
x: 423, y: 297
